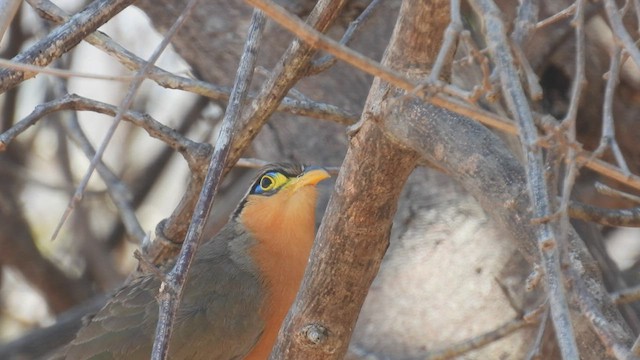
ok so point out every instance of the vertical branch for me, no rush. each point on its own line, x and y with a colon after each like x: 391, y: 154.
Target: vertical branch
x: 171, y: 289
x: 608, y: 137
x: 354, y: 233
x: 570, y: 119
x: 547, y: 242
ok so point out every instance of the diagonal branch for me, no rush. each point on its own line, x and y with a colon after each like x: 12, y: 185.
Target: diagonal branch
x: 354, y: 233
x: 173, y: 285
x: 361, y: 62
x: 168, y: 80
x: 62, y: 39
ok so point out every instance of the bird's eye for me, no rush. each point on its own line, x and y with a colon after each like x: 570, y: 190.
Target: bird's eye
x: 266, y: 183
x: 269, y: 182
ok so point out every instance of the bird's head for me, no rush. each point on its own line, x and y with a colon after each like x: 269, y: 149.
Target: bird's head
x: 281, y: 201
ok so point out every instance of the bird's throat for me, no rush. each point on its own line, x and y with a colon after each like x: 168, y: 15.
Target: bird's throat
x: 283, y: 226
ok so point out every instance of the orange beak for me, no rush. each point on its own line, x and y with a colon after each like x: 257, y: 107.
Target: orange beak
x: 310, y: 177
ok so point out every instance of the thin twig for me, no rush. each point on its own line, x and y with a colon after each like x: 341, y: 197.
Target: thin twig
x: 561, y: 15
x: 547, y: 241
x: 10, y: 64
x: 62, y: 39
x: 289, y: 69
x: 124, y: 106
x: 608, y: 333
x: 190, y: 150
x: 117, y: 190
x: 449, y: 42
x: 609, y: 191
x: 168, y: 80
x: 569, y: 123
x: 626, y: 296
x: 536, y: 348
x: 172, y: 287
x: 327, y: 61
x: 620, y: 31
x: 8, y: 10
x: 610, y: 217
x: 479, y: 341
x: 525, y: 26
x: 322, y: 42
x: 525, y: 21
x: 608, y: 137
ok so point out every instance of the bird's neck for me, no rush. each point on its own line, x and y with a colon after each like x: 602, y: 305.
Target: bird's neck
x: 284, y: 229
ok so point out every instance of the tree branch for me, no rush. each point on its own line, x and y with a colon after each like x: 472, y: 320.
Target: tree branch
x: 62, y: 39
x: 173, y: 285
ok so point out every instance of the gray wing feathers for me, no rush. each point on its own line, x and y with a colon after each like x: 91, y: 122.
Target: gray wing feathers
x: 218, y: 316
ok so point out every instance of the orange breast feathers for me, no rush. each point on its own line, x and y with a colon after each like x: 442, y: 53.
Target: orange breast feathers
x: 283, y: 225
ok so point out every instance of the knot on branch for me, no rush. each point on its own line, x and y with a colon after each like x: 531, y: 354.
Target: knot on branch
x: 315, y: 334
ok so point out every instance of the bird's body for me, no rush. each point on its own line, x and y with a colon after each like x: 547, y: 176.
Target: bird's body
x: 239, y: 289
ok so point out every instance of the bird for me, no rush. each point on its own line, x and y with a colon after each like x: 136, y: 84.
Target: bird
x: 239, y: 289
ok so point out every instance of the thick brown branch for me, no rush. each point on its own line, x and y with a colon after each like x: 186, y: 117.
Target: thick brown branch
x: 485, y: 168
x: 354, y: 233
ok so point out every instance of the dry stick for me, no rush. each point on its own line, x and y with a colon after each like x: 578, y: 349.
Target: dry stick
x: 608, y: 137
x: 569, y: 11
x: 190, y: 150
x: 354, y: 232
x: 524, y: 26
x: 8, y: 10
x: 448, y: 44
x: 168, y: 80
x: 599, y: 321
x: 322, y: 42
x: 626, y: 296
x: 610, y: 217
x: 479, y: 341
x: 536, y: 348
x: 327, y: 61
x: 569, y: 121
x: 619, y: 30
x: 289, y: 70
x: 547, y: 241
x: 10, y: 64
x: 482, y: 61
x: 525, y: 21
x: 124, y: 106
x: 172, y: 287
x: 117, y: 190
x: 558, y: 303
x: 533, y: 83
x: 609, y: 191
x: 62, y: 39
